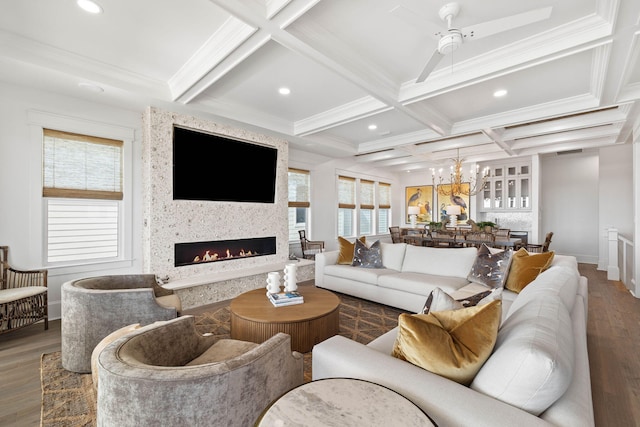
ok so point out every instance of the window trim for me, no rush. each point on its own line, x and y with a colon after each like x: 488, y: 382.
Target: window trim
x: 38, y: 121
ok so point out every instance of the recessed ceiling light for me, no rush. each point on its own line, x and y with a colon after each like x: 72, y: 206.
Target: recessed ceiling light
x: 89, y: 6
x: 284, y: 91
x: 91, y: 87
x: 373, y: 127
x: 499, y: 93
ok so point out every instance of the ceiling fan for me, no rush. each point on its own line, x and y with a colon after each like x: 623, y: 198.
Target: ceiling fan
x: 452, y: 38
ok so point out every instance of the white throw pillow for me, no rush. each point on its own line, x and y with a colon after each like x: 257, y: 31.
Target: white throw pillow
x: 532, y: 363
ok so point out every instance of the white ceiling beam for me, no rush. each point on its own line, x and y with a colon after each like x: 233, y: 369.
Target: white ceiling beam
x: 606, y: 131
x: 231, y: 35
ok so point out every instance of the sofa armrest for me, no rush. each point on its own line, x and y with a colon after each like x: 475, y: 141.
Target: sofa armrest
x: 446, y: 402
x: 322, y: 259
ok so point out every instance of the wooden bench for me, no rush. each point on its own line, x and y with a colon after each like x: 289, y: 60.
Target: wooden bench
x: 23, y: 296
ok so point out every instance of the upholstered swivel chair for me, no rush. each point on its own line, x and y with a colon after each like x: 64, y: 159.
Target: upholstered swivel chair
x: 94, y: 307
x: 168, y: 374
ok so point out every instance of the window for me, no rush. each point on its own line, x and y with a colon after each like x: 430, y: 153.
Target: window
x: 366, y: 207
x: 384, y: 207
x: 346, y: 205
x: 83, y: 191
x: 299, y: 190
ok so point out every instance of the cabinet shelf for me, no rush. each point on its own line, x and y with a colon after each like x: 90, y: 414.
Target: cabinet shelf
x: 508, y: 188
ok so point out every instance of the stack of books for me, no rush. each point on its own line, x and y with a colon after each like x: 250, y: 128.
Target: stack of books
x: 285, y: 298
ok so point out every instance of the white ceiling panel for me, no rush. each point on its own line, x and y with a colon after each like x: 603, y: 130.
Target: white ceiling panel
x: 533, y: 86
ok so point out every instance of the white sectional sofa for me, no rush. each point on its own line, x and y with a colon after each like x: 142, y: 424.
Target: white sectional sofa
x: 537, y: 373
x: 406, y: 280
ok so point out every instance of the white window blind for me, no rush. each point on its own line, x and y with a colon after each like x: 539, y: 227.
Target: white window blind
x: 81, y: 230
x: 366, y: 194
x: 346, y: 192
x: 81, y: 166
x: 384, y: 195
x: 299, y: 188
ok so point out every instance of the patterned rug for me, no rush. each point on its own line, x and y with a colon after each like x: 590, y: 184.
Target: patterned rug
x: 68, y: 399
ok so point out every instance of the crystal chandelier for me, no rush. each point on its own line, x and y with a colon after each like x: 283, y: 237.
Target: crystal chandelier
x: 457, y: 184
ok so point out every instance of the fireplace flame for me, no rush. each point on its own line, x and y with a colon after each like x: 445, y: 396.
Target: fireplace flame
x: 208, y: 257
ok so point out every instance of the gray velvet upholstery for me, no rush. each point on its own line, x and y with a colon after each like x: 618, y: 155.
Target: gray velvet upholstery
x: 143, y: 380
x: 94, y: 307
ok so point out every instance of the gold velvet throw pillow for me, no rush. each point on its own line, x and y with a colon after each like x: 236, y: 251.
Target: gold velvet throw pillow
x: 525, y: 267
x: 453, y: 343
x: 347, y: 248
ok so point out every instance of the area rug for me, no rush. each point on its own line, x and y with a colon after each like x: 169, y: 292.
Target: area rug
x: 68, y: 398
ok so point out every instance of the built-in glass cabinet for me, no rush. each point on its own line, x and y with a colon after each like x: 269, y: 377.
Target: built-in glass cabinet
x: 507, y: 188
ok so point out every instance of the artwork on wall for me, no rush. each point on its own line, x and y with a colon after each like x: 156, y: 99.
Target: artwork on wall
x: 422, y: 197
x: 461, y: 200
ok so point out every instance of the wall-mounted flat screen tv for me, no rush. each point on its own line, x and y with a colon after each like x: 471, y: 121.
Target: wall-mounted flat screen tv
x: 218, y: 168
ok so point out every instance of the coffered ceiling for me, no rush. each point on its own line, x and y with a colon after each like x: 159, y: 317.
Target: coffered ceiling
x: 571, y: 69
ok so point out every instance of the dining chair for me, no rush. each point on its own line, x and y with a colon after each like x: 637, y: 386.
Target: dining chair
x: 310, y: 247
x: 544, y: 247
x: 394, y: 230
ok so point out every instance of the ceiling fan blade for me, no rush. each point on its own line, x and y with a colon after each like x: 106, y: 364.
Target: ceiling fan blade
x: 431, y: 64
x: 496, y: 26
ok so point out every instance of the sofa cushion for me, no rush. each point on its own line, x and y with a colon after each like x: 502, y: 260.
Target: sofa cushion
x: 346, y: 250
x: 490, y: 268
x: 223, y: 349
x: 453, y: 262
x: 170, y: 301
x: 525, y: 267
x: 558, y: 281
x: 418, y: 283
x: 532, y: 363
x: 364, y: 275
x: 367, y: 257
x: 453, y: 343
x: 393, y: 255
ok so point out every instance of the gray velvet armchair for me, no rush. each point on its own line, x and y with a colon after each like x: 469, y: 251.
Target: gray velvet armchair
x: 168, y: 374
x: 94, y: 307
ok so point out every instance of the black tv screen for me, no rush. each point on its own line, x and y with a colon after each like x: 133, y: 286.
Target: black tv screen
x: 218, y: 168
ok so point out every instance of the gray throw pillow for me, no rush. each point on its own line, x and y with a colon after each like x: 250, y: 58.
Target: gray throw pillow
x: 367, y: 257
x: 489, y: 268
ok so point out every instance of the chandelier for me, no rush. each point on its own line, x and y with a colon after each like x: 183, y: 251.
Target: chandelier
x: 457, y: 184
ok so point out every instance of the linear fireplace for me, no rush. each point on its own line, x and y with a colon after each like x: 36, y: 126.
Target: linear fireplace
x: 222, y: 250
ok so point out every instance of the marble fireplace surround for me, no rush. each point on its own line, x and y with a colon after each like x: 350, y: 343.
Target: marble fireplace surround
x: 167, y: 221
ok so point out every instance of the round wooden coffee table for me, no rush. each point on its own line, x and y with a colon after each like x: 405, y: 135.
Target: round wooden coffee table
x: 255, y: 319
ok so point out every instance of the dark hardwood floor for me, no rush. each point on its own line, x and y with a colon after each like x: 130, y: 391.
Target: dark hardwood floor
x: 613, y: 341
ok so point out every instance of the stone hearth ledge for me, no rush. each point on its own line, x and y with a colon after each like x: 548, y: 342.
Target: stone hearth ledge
x: 207, y: 289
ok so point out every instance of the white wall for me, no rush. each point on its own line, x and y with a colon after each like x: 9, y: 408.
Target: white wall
x: 569, y: 204
x: 616, y: 196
